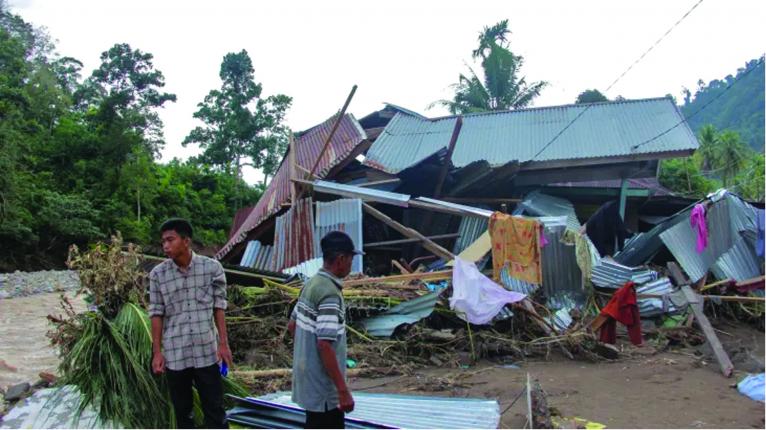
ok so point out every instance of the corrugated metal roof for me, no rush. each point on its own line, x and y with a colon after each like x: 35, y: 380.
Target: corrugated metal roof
x: 408, y: 140
x: 605, y: 130
x: 340, y: 215
x: 294, y: 236
x: 363, y: 193
x: 672, y: 302
x: 416, y: 411
x: 53, y: 408
x: 471, y: 227
x: 308, y: 146
x: 408, y: 312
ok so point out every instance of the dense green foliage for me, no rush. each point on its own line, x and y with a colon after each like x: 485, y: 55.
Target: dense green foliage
x: 723, y: 160
x: 740, y: 108
x: 501, y: 87
x: 78, y: 156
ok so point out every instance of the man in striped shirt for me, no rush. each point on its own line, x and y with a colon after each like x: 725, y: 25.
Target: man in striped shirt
x: 318, y: 325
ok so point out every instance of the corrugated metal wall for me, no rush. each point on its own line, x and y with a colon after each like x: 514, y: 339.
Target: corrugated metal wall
x: 340, y: 215
x: 294, y: 236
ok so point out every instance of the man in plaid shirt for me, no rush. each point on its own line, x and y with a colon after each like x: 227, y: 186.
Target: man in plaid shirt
x: 187, y: 299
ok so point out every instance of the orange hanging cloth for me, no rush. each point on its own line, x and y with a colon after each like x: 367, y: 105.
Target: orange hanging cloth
x: 515, y: 242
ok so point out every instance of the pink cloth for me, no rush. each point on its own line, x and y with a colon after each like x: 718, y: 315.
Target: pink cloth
x: 543, y: 240
x: 698, y: 222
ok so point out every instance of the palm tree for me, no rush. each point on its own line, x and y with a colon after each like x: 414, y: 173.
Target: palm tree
x: 731, y: 155
x: 501, y: 88
x: 708, y: 139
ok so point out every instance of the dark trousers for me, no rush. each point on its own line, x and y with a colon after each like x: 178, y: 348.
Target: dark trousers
x: 332, y: 419
x: 207, y: 380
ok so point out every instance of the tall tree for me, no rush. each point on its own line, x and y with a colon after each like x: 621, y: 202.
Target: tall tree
x: 125, y: 92
x: 591, y: 96
x: 708, y: 140
x: 241, y: 127
x: 501, y: 87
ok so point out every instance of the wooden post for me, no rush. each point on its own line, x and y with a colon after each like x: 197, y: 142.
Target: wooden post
x: 448, y: 159
x: 695, y: 303
x: 332, y: 132
x: 408, y: 232
x: 291, y: 168
x: 623, y: 197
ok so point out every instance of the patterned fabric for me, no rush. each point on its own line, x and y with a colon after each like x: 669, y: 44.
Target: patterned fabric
x: 185, y: 300
x: 515, y: 242
x: 319, y: 315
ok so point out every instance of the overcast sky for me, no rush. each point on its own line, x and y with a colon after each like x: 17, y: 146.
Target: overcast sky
x: 404, y: 52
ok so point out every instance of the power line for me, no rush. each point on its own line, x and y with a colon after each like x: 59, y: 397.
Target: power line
x: 618, y: 79
x: 728, y: 87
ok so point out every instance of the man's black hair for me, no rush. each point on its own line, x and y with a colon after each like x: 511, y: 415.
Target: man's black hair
x: 179, y: 225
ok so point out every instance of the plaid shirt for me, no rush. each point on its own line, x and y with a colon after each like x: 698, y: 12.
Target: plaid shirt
x: 185, y: 300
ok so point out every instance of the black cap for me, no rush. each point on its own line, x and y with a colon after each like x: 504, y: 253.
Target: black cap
x: 337, y: 242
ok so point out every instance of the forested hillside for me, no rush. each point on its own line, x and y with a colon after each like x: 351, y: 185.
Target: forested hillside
x: 79, y: 149
x: 740, y: 108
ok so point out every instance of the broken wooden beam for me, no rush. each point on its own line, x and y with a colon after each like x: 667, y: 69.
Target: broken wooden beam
x: 696, y: 305
x: 408, y: 232
x: 422, y: 276
x: 411, y: 240
x: 381, y: 182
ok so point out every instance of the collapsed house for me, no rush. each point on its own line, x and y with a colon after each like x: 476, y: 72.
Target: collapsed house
x: 420, y: 195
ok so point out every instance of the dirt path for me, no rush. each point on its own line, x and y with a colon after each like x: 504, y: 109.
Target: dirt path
x: 676, y: 389
x: 23, y: 344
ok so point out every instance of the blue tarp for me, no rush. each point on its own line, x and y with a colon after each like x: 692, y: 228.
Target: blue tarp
x: 752, y: 386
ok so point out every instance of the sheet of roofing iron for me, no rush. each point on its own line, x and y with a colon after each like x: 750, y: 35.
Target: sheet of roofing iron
x: 308, y: 268
x: 724, y: 218
x: 340, y: 215
x: 413, y: 412
x: 408, y: 312
x: 739, y: 263
x: 471, y: 227
x: 562, y: 278
x: 294, y: 235
x: 53, y: 408
x: 308, y: 146
x: 610, y: 274
x: 473, y: 210
x: 257, y: 256
x: 642, y: 247
x: 257, y: 413
x: 673, y: 302
x: 539, y: 204
x: 561, y: 319
x: 363, y: 193
x: 610, y: 129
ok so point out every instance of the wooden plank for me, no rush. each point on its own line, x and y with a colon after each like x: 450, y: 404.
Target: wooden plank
x: 695, y: 303
x: 734, y: 298
x: 677, y: 274
x: 408, y: 232
x: 477, y: 250
x: 382, y: 182
x: 423, y: 276
x: 401, y: 268
x: 748, y: 282
x: 529, y: 403
x: 411, y: 240
x: 448, y: 158
x: 439, y: 208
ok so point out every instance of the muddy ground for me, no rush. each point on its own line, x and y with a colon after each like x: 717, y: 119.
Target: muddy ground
x: 680, y: 388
